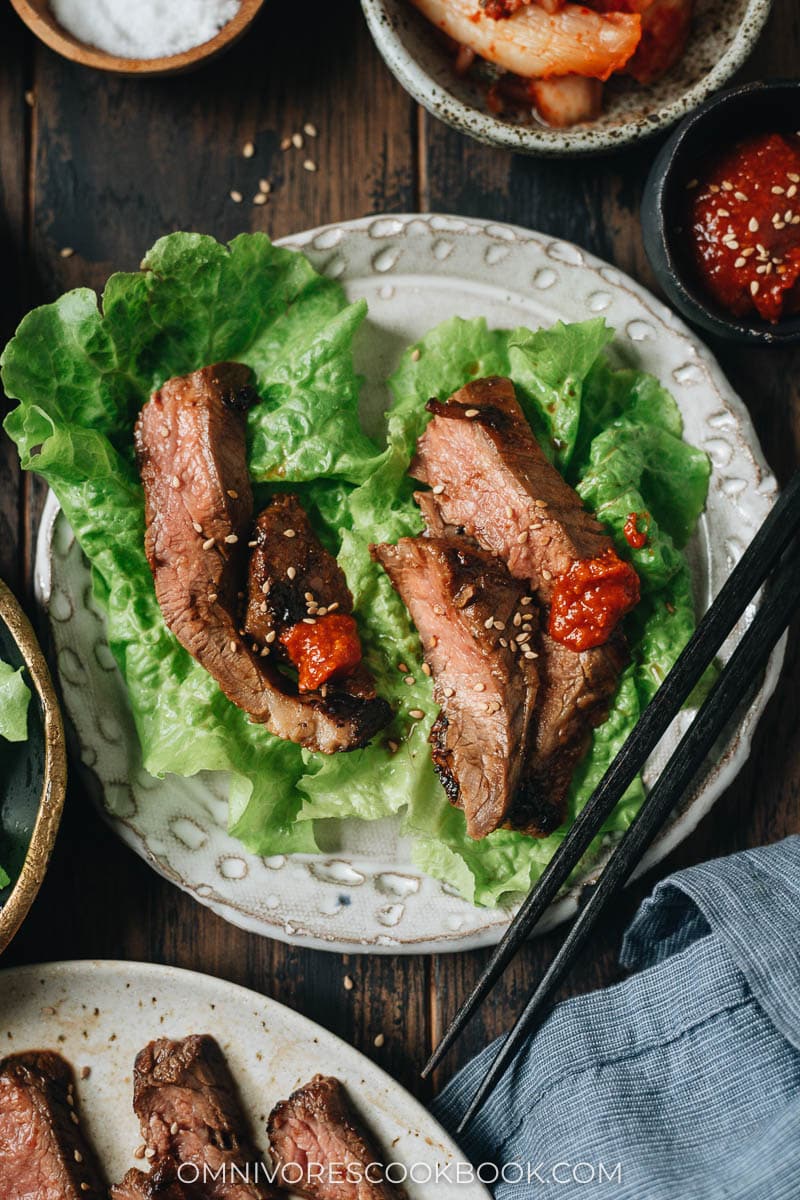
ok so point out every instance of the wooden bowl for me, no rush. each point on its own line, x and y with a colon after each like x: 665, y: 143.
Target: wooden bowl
x: 39, y: 18
x: 34, y: 774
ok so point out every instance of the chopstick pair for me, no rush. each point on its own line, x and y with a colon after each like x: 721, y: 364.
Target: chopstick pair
x: 777, y: 537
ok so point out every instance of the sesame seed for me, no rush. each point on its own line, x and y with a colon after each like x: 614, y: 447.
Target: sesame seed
x: 248, y: 150
x: 499, y: 624
x: 150, y: 1152
x: 470, y: 412
x: 379, y: 1040
x: 212, y: 599
x: 529, y: 654
x: 286, y: 143
x: 232, y: 646
x: 732, y: 244
x: 331, y: 607
x: 233, y: 494
x: 77, y: 1156
x: 393, y: 747
x: 310, y: 129
x: 264, y: 651
x: 265, y: 587
x: 84, y: 1186
x: 236, y: 197
x: 66, y: 252
x: 416, y: 713
x: 762, y: 270
x: 793, y: 177
x: 723, y: 212
x: 693, y: 183
x: 449, y: 691
x: 264, y: 186
x: 541, y: 503
x: 321, y: 612
x: 526, y: 600
x: 208, y: 543
x: 291, y: 572
x: 232, y: 539
x: 437, y: 491
x: 175, y: 482
x: 480, y: 687
x: 174, y: 1127
x: 509, y: 511
x: 348, y: 983
x: 402, y: 668
x: 512, y: 645
x: 309, y: 165
x: 290, y: 533
x: 740, y: 196
x: 270, y: 638
x: 791, y: 192
x: 74, y: 1118
x: 308, y: 595
x: 754, y: 288
x: 753, y: 225
x: 139, y: 1151
x: 547, y: 575
x: 416, y: 354
x: 740, y: 262
x: 522, y: 537
x: 30, y: 99
x: 196, y: 527
x: 522, y: 638
x: 410, y: 680
x: 488, y: 623
x: 426, y: 670
x: 777, y: 190
x: 517, y: 619
x: 297, y: 140
x: 504, y: 643
x: 85, y: 1072
x: 748, y: 250
x: 486, y: 707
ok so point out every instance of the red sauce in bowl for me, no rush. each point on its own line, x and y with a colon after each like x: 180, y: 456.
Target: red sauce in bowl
x: 328, y: 649
x: 590, y: 599
x: 745, y: 225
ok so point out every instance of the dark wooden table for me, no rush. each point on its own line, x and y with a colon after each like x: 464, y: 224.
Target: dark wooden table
x: 103, y: 166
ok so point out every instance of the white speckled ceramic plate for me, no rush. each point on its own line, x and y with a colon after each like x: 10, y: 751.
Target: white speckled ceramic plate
x: 100, y: 1014
x: 362, y: 892
x: 724, y: 33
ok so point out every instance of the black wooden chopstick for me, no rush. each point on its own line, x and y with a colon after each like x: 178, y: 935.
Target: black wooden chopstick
x: 735, y: 681
x: 764, y: 551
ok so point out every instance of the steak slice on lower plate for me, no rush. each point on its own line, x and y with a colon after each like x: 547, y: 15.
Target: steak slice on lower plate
x: 44, y: 1152
x: 476, y: 624
x: 190, y: 442
x: 160, y: 1184
x: 191, y: 1117
x: 321, y: 1148
x: 491, y: 478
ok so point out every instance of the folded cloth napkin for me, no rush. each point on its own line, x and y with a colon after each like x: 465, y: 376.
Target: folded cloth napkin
x: 681, y: 1081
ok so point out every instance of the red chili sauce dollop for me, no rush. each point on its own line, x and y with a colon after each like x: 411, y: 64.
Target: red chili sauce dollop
x: 636, y: 529
x: 328, y: 649
x: 745, y: 224
x: 590, y: 599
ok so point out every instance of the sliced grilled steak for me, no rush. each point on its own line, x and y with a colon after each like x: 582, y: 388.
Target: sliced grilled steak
x: 322, y: 1149
x: 160, y: 1184
x: 44, y: 1154
x: 292, y: 578
x: 190, y: 442
x: 493, y: 480
x: 476, y: 623
x: 189, y: 1110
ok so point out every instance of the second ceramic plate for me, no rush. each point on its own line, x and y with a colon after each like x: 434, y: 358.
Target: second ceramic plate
x: 362, y: 892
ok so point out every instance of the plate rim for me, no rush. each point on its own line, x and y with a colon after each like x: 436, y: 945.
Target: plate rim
x: 733, y: 760
x: 78, y: 967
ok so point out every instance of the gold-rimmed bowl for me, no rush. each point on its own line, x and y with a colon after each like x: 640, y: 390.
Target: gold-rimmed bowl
x: 38, y: 16
x: 33, y: 774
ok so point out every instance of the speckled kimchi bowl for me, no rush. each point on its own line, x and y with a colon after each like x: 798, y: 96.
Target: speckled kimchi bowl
x: 724, y: 33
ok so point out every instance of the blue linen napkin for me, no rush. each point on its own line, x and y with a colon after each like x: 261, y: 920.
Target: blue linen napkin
x: 681, y: 1081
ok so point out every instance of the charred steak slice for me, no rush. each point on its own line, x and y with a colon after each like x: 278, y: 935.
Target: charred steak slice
x: 190, y: 1114
x: 493, y: 480
x: 296, y: 586
x: 190, y: 442
x: 44, y: 1154
x: 322, y: 1150
x: 476, y: 625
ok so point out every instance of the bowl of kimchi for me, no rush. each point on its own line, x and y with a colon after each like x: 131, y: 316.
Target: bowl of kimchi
x: 556, y: 77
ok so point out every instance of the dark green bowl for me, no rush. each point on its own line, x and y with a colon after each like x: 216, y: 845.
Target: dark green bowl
x: 33, y: 774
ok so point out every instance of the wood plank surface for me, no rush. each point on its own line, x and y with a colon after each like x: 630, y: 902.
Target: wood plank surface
x: 102, y: 166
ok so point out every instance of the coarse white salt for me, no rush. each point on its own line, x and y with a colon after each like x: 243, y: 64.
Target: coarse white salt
x: 144, y: 28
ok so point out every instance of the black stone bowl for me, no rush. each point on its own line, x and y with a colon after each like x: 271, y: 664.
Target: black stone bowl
x: 719, y: 123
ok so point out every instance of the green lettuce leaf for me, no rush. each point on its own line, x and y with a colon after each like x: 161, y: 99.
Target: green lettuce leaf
x: 81, y: 373
x: 15, y: 696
